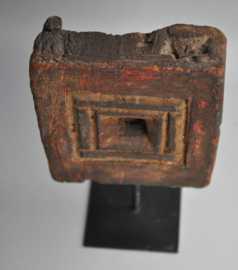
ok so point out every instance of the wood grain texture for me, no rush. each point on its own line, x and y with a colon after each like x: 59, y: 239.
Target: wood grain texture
x: 130, y: 109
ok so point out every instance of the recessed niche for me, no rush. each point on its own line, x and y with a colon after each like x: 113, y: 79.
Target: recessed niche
x: 131, y: 127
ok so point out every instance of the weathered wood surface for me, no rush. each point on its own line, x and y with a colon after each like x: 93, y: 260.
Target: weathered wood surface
x: 130, y: 109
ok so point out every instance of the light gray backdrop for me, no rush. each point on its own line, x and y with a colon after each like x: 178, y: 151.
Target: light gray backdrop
x: 42, y: 221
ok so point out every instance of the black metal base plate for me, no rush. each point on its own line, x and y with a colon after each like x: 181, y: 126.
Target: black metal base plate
x: 112, y: 223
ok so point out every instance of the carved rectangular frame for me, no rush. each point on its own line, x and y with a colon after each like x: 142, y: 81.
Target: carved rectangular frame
x: 95, y: 105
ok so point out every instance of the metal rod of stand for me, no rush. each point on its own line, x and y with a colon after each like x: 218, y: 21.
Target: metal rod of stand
x: 137, y: 204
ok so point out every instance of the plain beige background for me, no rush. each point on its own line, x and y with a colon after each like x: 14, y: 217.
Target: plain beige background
x: 42, y: 221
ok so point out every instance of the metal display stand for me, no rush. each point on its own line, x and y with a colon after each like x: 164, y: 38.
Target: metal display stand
x: 133, y: 217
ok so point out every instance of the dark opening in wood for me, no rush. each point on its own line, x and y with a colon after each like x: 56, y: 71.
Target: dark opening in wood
x: 131, y: 127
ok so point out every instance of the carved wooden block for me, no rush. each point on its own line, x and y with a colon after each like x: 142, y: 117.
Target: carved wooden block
x: 130, y: 109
